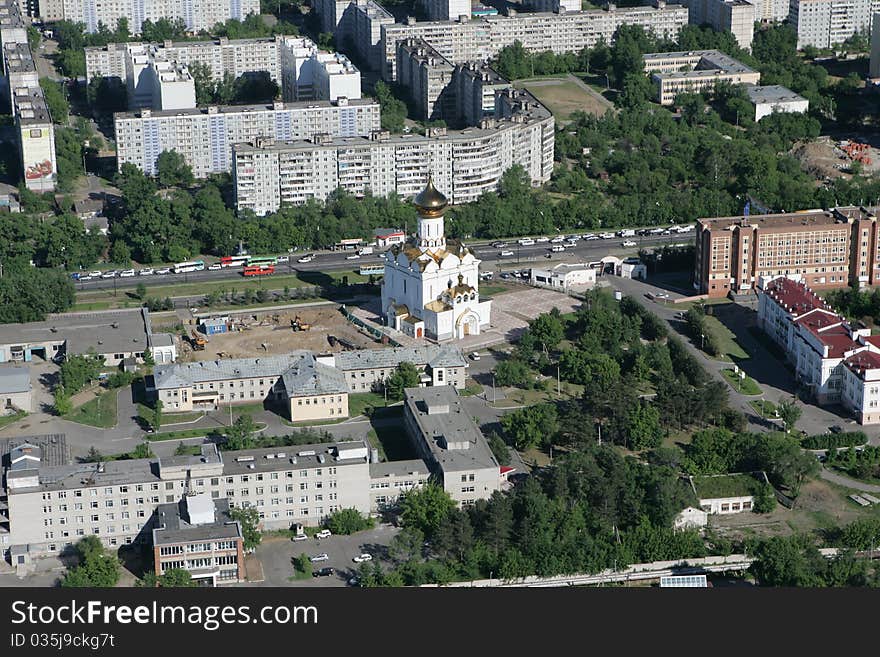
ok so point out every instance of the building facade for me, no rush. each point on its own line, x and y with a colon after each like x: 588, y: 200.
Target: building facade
x: 675, y: 73
x: 205, y: 136
x: 15, y: 390
x: 447, y: 10
x: 874, y: 64
x: 735, y: 16
x: 431, y: 284
x: 825, y: 23
x: 775, y: 98
x: 823, y: 248
x: 427, y: 77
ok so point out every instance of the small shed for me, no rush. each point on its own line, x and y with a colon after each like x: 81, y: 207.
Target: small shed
x: 214, y: 325
x: 129, y: 364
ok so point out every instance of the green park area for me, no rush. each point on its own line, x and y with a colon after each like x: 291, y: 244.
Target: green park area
x: 98, y: 412
x: 563, y: 97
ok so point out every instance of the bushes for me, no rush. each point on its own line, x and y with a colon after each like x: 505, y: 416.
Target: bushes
x: 833, y: 440
x: 348, y: 521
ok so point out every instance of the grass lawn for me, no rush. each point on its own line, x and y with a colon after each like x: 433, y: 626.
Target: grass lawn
x: 146, y: 412
x: 6, y: 420
x: 471, y: 388
x: 727, y: 340
x: 535, y: 456
x: 564, y: 98
x: 359, y: 401
x: 763, y: 407
x: 747, y: 386
x: 733, y: 485
x: 489, y: 290
x: 99, y: 412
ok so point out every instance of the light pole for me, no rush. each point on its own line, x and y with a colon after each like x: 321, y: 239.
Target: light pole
x: 702, y: 341
x: 557, y: 380
x: 493, y: 390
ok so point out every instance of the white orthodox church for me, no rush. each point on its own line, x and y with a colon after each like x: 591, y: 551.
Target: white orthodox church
x: 431, y: 286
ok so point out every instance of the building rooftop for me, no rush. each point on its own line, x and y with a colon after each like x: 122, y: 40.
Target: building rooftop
x: 51, y: 449
x: 296, y: 457
x: 713, y: 61
x: 803, y: 219
x: 387, y: 232
x: 794, y: 296
x: 448, y: 430
x: 414, y: 467
x: 14, y: 379
x: 731, y: 485
x: 863, y: 361
x: 106, y: 332
x: 174, y: 523
x: 246, y: 109
x: 433, y: 355
x: 773, y: 93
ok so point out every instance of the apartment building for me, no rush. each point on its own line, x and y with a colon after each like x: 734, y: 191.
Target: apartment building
x: 34, y: 129
x: 837, y: 361
x: 825, y: 23
x: 447, y: 10
x: 735, y: 16
x: 476, y: 88
x: 557, y: 6
x: 197, y: 15
x: 197, y: 534
x: 771, y: 11
x: 366, y: 369
x: 205, y: 136
x: 390, y: 481
x: 465, y: 164
x: 676, y: 73
x: 295, y: 63
x: 363, y: 31
x: 446, y: 437
x: 481, y: 39
x: 427, y: 77
x: 874, y: 65
x: 823, y: 248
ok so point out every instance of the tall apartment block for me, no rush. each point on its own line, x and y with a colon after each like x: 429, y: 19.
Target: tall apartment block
x: 770, y: 11
x: 557, y: 6
x: 822, y: 248
x: 205, y: 136
x: 481, y: 39
x: 735, y: 16
x: 295, y: 63
x: 34, y: 129
x: 464, y: 164
x: 674, y: 73
x: 874, y: 66
x: 476, y: 88
x: 427, y: 77
x: 824, y: 23
x: 197, y: 15
x: 447, y: 10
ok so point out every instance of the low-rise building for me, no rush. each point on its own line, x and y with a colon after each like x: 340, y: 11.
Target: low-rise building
x: 452, y: 445
x: 15, y: 390
x: 385, y: 237
x: 675, y: 73
x: 730, y: 493
x: 198, y: 535
x: 773, y: 98
x: 690, y: 518
x: 564, y: 277
x: 366, y: 369
x: 390, y: 481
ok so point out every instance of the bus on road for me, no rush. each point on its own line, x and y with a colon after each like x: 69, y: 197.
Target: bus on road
x: 262, y: 261
x: 191, y: 265
x: 367, y: 270
x: 234, y: 261
x: 259, y: 270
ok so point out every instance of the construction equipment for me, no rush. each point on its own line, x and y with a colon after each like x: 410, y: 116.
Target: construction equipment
x: 298, y: 325
x: 198, y: 342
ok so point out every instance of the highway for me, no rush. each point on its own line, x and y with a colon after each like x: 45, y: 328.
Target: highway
x: 327, y: 261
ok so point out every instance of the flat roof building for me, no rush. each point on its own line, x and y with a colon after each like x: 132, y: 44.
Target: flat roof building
x: 15, y: 390
x: 770, y: 99
x: 675, y: 73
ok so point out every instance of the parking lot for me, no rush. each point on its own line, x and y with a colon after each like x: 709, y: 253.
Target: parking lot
x: 276, y: 556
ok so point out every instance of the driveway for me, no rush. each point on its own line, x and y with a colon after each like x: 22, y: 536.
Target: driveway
x: 275, y: 555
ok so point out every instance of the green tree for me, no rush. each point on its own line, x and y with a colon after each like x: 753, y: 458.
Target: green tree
x: 644, y: 427
x: 241, y: 434
x: 392, y: 110
x: 348, y: 521
x: 61, y: 401
x: 513, y: 372
x: 765, y: 500
x: 405, y: 375
x: 143, y: 451
x: 59, y: 109
x: 141, y: 291
x: 79, y: 369
x: 156, y: 419
x: 787, y: 561
x: 96, y: 568
x: 93, y: 456
x: 406, y: 544
x: 789, y: 413
x: 177, y: 578
x: 173, y: 171
x: 425, y: 508
x: 303, y: 564
x: 499, y: 449
x: 531, y: 426
x: 548, y: 329
x: 250, y: 520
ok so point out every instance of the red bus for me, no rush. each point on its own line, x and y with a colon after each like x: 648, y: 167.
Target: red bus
x: 259, y: 271
x: 233, y: 261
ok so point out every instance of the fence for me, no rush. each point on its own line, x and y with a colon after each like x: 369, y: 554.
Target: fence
x: 372, y: 330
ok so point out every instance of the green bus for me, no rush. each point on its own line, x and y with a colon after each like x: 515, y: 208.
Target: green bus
x: 262, y: 261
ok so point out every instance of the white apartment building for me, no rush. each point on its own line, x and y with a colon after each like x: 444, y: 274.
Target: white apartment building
x: 557, y: 6
x: 770, y: 11
x: 481, y: 39
x: 205, y: 136
x: 364, y: 31
x: 837, y: 361
x: 735, y: 16
x: 197, y: 15
x: 675, y: 73
x: 428, y: 78
x: 464, y: 164
x: 775, y: 98
x: 447, y: 10
x: 874, y: 66
x: 295, y: 63
x: 824, y: 23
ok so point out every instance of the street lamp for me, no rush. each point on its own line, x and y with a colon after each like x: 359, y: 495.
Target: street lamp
x: 493, y: 389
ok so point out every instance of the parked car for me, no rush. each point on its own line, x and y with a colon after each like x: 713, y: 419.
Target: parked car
x: 505, y: 275
x: 835, y: 429
x: 146, y: 272
x: 591, y: 237
x: 306, y: 258
x: 323, y: 572
x: 542, y: 239
x: 109, y: 274
x: 499, y: 245
x: 95, y: 274
x: 557, y: 240
x: 87, y: 277
x: 354, y: 581
x: 300, y: 537
x: 215, y: 266
x: 163, y: 271
x: 282, y: 258
x: 361, y: 558
x: 475, y: 356
x: 319, y: 557
x: 324, y: 533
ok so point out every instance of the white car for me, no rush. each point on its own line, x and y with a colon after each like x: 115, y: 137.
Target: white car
x: 542, y: 239
x: 557, y: 240
x: 475, y: 356
x: 215, y: 266
x: 526, y: 241
x: 108, y: 274
x: 628, y: 243
x: 163, y: 271
x: 607, y: 236
x: 87, y: 277
x: 361, y: 558
x: 146, y: 272
x: 95, y: 274
x: 282, y: 259
x: 506, y: 254
x: 300, y: 537
x: 324, y: 533
x: 590, y: 238
x: 556, y: 248
x: 306, y: 258
x: 319, y: 557
x: 127, y: 273
x: 353, y: 256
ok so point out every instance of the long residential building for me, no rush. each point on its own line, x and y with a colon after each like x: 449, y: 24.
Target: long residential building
x: 464, y: 164
x: 205, y: 136
x: 836, y: 360
x: 197, y: 15
x: 675, y: 73
x: 462, y: 41
x: 823, y: 248
x: 34, y: 128
x: 825, y: 23
x: 295, y: 63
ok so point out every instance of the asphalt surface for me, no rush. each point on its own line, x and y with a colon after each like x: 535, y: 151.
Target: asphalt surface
x: 534, y: 255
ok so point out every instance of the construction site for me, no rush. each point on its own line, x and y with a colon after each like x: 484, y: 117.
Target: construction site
x: 252, y: 333
x: 828, y: 159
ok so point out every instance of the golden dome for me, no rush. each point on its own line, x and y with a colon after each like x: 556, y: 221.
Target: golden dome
x: 430, y: 202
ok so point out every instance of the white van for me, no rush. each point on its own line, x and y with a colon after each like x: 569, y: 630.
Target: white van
x: 526, y: 242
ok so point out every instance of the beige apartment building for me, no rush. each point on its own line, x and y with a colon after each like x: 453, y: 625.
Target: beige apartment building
x: 675, y: 73
x: 822, y: 248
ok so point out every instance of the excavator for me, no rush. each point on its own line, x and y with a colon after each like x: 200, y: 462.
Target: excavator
x: 298, y: 325
x: 198, y: 342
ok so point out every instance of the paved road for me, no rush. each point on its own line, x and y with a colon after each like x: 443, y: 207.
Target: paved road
x: 840, y: 480
x: 585, y: 251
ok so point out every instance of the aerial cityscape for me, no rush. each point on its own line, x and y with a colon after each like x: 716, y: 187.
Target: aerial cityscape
x: 417, y: 293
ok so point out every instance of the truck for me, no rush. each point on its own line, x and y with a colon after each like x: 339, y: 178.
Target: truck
x: 627, y: 233
x: 366, y: 250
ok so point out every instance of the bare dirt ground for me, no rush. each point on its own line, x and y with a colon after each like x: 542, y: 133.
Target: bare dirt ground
x: 824, y: 159
x: 273, y: 334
